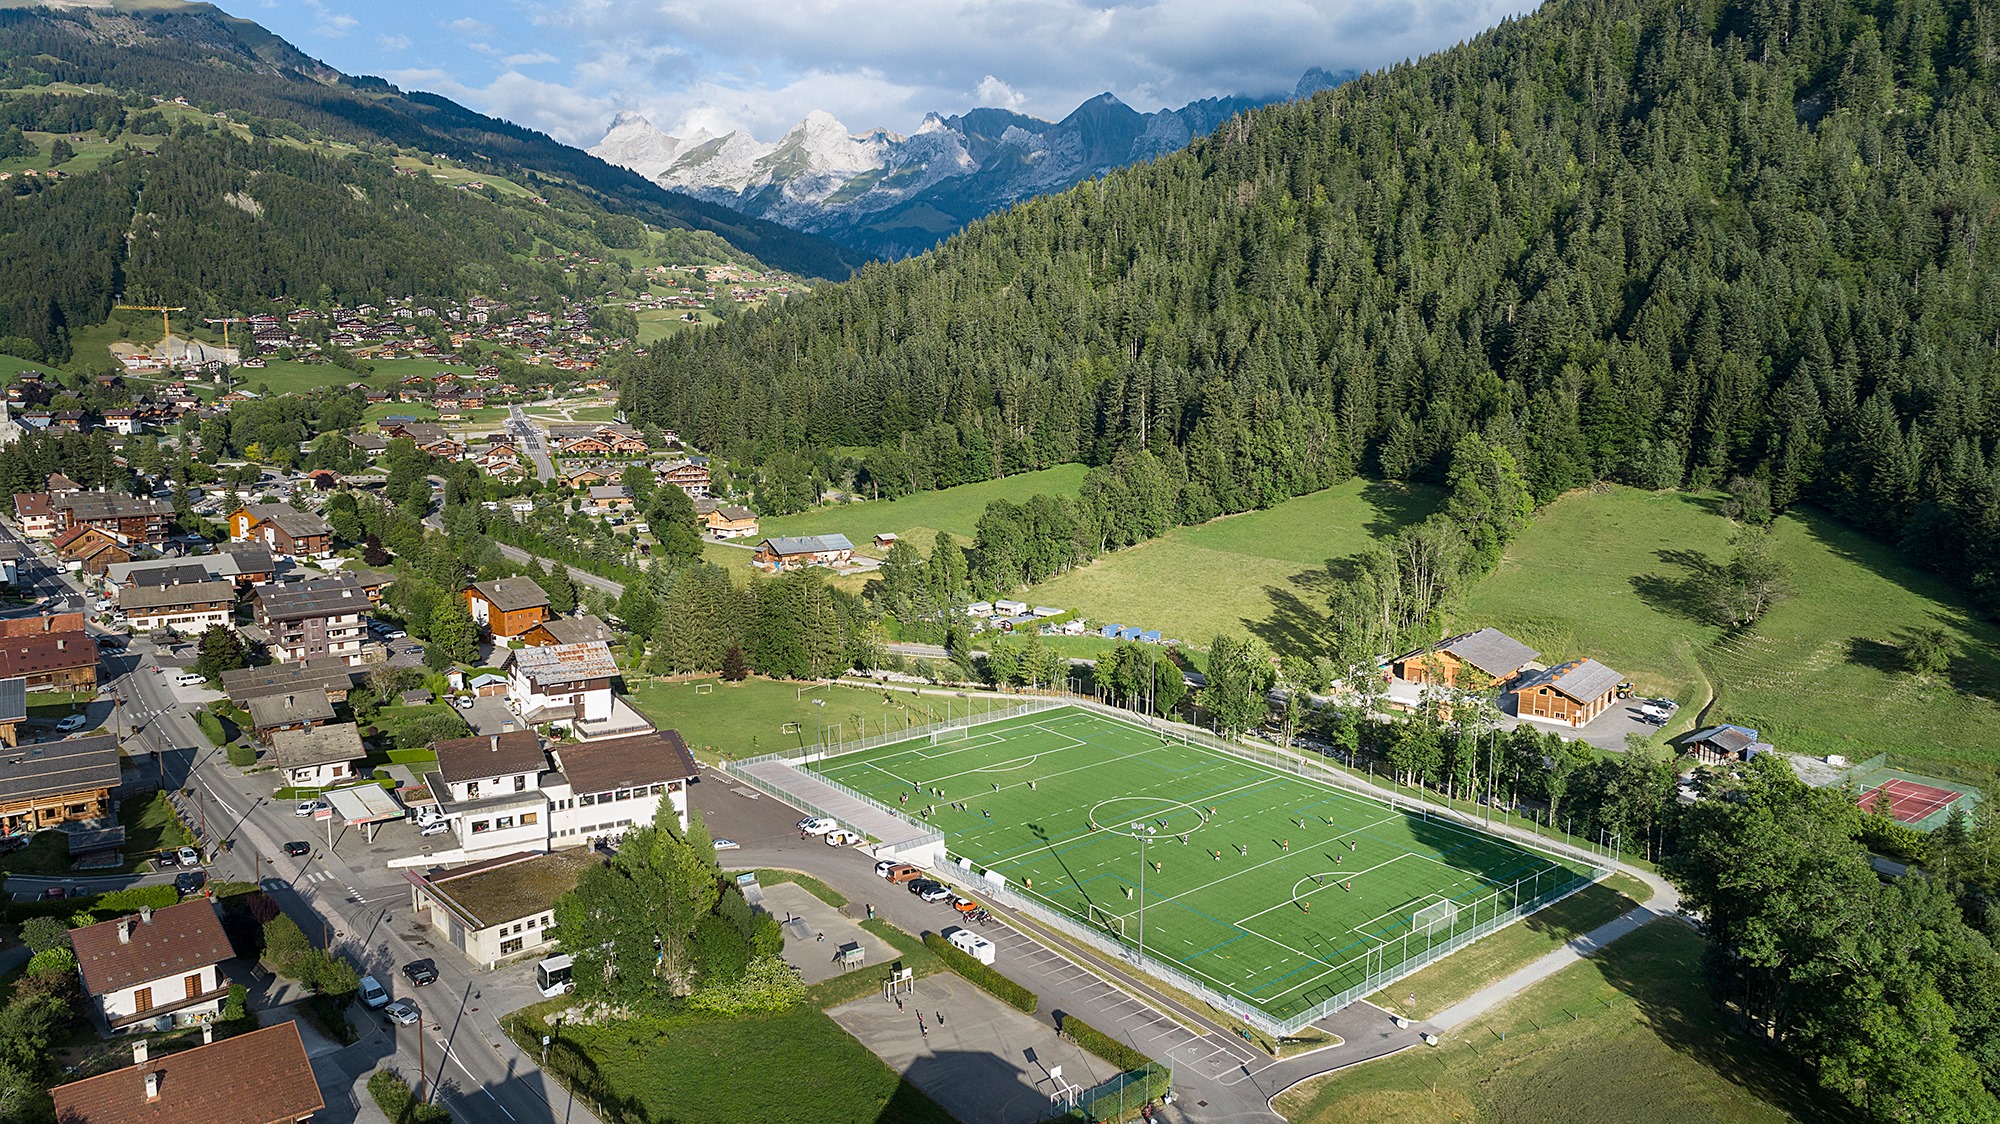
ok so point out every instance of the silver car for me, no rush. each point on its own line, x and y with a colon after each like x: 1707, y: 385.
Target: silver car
x: 402, y: 1012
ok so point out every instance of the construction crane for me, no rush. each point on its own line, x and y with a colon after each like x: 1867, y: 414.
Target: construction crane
x: 166, y: 329
x: 225, y: 321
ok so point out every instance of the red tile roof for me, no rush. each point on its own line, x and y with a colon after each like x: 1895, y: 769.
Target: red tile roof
x: 262, y: 1077
x: 174, y: 941
x: 34, y: 655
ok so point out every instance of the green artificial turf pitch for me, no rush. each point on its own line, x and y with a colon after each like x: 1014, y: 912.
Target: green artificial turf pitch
x: 1274, y: 889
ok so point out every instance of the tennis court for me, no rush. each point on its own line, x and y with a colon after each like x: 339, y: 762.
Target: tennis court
x: 1909, y: 801
x: 1270, y: 888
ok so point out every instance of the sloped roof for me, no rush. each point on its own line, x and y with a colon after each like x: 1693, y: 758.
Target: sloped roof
x: 576, y: 630
x: 324, y: 597
x: 643, y: 759
x: 567, y: 663
x: 512, y: 594
x: 808, y: 544
x: 29, y: 772
x: 175, y: 940
x: 1726, y: 737
x: 262, y: 1077
x: 321, y: 745
x: 325, y: 673
x: 292, y: 521
x: 175, y: 596
x: 490, y: 755
x: 1582, y: 680
x: 1491, y: 651
x: 289, y: 708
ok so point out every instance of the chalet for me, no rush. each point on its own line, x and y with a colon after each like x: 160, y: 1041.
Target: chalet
x: 253, y: 562
x: 1718, y: 744
x: 500, y: 908
x: 53, y: 783
x: 798, y: 552
x: 51, y: 661
x: 156, y: 969
x: 47, y: 624
x: 611, y: 497
x: 571, y: 684
x: 568, y: 630
x: 122, y: 421
x: 326, y: 618
x: 90, y: 550
x: 592, y: 446
x: 732, y: 523
x: 508, y: 607
x: 320, y: 756
x: 191, y: 608
x: 34, y: 514
x: 1570, y: 694
x: 130, y: 519
x: 583, y: 478
x: 688, y: 476
x: 490, y: 789
x: 1489, y: 652
x: 372, y: 582
x: 294, y: 710
x: 286, y: 531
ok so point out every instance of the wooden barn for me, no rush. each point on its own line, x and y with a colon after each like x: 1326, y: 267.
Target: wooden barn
x: 1571, y: 693
x: 1488, y: 651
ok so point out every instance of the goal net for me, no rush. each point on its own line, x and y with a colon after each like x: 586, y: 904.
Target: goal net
x: 953, y: 734
x: 1433, y: 915
x: 704, y: 688
x: 1108, y: 921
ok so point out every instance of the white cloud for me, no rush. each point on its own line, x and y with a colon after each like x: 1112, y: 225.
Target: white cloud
x: 393, y: 42
x: 532, y: 58
x: 470, y: 26
x: 997, y: 94
x: 560, y: 111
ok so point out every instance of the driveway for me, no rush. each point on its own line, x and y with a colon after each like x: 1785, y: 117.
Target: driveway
x: 490, y: 716
x: 1607, y: 731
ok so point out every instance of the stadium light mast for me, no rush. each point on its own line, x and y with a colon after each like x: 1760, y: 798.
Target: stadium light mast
x: 1142, y: 892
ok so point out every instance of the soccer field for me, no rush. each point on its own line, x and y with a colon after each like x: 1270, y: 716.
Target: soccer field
x: 1269, y: 888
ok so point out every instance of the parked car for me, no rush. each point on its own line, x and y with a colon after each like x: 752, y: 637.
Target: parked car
x: 421, y: 972
x: 12, y: 843
x: 936, y: 893
x: 54, y: 894
x: 167, y: 860
x: 310, y: 808
x: 843, y: 838
x: 922, y: 886
x: 190, y: 881
x: 467, y: 702
x: 395, y: 634
x: 372, y: 994
x: 726, y: 844
x: 819, y: 826
x: 298, y: 848
x: 883, y: 868
x: 435, y: 827
x: 188, y: 856
x: 72, y: 723
x: 903, y: 872
x: 964, y: 905
x: 402, y: 1012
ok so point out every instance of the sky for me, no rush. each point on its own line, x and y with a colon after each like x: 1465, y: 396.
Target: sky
x: 567, y: 67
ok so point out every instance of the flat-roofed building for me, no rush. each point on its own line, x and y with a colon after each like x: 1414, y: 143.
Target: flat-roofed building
x: 501, y: 908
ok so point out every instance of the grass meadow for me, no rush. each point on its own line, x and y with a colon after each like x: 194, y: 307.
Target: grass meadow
x: 1628, y: 1034
x: 920, y: 517
x: 1615, y: 574
x: 746, y: 719
x: 1264, y: 572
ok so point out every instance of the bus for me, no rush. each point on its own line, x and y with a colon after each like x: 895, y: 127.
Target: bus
x: 552, y: 976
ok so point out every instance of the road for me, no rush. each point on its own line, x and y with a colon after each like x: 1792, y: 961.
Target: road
x: 435, y: 522
x: 531, y: 442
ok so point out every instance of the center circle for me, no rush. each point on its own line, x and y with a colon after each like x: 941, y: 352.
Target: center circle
x: 1135, y: 816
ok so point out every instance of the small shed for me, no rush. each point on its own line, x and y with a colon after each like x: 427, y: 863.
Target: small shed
x: 886, y: 539
x: 1111, y: 631
x: 1130, y: 632
x: 1150, y: 636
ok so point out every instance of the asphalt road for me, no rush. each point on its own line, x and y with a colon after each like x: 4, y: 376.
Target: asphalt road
x: 531, y: 442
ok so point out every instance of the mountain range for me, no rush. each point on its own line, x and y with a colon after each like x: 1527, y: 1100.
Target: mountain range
x: 894, y: 195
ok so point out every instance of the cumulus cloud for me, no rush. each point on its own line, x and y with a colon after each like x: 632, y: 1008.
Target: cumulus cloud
x: 393, y: 42
x: 567, y: 114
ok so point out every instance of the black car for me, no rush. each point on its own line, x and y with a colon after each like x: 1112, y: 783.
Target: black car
x: 296, y: 848
x: 922, y: 884
x: 421, y: 972
x: 190, y: 881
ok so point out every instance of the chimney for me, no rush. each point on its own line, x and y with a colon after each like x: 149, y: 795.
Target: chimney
x: 207, y: 1034
x: 493, y: 743
x: 152, y: 1085
x: 125, y: 930
x: 139, y: 1054
x: 146, y: 914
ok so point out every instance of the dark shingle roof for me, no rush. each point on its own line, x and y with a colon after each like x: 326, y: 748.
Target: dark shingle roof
x: 29, y: 772
x: 490, y: 755
x: 177, y: 939
x: 325, y: 597
x: 644, y: 759
x: 512, y: 594
x: 1491, y: 651
x: 327, y: 673
x: 290, y: 708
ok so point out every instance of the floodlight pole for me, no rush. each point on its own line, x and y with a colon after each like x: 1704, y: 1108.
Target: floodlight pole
x: 1142, y: 897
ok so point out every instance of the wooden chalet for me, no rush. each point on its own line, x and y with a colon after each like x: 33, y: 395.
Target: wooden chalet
x: 1570, y: 693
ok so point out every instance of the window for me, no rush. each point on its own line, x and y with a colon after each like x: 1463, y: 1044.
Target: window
x: 193, y: 985
x: 510, y: 946
x: 479, y: 826
x: 623, y: 794
x: 472, y: 790
x: 520, y: 783
x: 142, y: 1000
x: 530, y: 818
x: 586, y: 800
x: 533, y: 922
x: 503, y: 822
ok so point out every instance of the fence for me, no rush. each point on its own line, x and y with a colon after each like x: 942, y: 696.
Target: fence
x: 821, y: 750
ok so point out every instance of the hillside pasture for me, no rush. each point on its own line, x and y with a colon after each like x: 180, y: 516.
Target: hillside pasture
x: 921, y: 516
x: 1261, y: 571
x: 1617, y: 575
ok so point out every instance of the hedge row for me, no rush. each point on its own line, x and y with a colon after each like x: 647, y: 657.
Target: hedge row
x: 1004, y: 989
x: 1102, y: 1044
x: 211, y: 726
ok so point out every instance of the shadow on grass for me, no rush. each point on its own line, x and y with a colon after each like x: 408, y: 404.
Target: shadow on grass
x: 1683, y: 594
x: 1660, y: 969
x: 1396, y: 506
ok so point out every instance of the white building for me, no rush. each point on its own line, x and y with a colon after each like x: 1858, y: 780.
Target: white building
x: 319, y: 756
x: 156, y: 969
x: 500, y: 908
x: 569, y: 685
x: 490, y: 788
x: 190, y: 608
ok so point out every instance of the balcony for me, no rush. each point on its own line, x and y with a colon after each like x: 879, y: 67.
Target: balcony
x: 622, y: 722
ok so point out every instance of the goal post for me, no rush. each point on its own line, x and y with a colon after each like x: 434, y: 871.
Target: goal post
x: 1437, y: 913
x: 704, y: 688
x: 1113, y: 923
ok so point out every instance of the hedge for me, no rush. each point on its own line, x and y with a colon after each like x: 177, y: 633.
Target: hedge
x: 392, y: 1094
x: 242, y: 754
x: 958, y: 960
x: 211, y: 726
x: 1102, y: 1044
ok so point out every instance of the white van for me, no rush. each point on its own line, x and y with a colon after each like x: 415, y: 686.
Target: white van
x: 371, y: 993
x: 972, y: 944
x: 189, y: 679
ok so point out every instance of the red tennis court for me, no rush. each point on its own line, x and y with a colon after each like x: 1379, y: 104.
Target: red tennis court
x: 1909, y: 802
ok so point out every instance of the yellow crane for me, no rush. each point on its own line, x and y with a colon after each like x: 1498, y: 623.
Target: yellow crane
x: 166, y: 329
x: 225, y: 321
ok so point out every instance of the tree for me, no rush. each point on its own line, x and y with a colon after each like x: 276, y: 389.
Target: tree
x: 1928, y: 651
x: 1754, y: 579
x: 220, y: 650
x: 561, y: 589
x: 735, y: 668
x: 372, y: 552
x: 454, y: 636
x: 1239, y: 676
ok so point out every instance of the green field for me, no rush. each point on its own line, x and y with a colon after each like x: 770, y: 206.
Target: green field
x: 921, y: 516
x: 746, y: 719
x: 1610, y: 575
x: 1275, y: 890
x: 1630, y: 1034
x: 1264, y: 571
